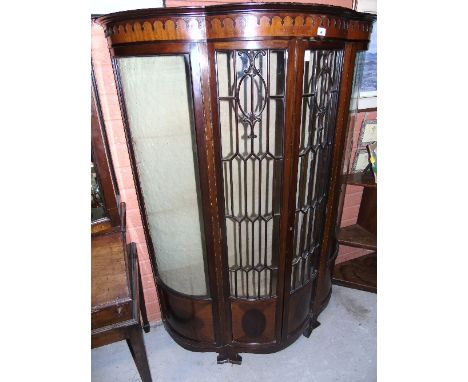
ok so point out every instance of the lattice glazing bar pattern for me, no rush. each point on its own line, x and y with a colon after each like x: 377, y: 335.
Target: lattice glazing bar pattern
x: 322, y: 73
x: 251, y: 91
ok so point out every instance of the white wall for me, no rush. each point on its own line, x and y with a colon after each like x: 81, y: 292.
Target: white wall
x: 109, y: 6
x: 369, y: 6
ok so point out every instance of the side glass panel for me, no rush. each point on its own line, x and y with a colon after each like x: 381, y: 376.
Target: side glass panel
x: 251, y: 91
x: 322, y: 73
x: 157, y: 92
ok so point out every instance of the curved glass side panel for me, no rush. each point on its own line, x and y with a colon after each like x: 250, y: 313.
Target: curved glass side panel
x: 321, y: 85
x: 157, y: 92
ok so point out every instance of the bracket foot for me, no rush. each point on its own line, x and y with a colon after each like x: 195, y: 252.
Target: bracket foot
x: 313, y: 324
x: 233, y: 358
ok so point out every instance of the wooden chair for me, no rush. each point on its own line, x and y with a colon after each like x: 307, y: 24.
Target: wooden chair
x: 117, y: 300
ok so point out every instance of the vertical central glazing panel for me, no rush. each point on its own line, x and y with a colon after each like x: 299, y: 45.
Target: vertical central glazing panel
x: 251, y: 91
x: 321, y: 82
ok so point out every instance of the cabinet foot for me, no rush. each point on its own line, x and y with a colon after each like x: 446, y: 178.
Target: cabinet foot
x: 234, y: 358
x: 313, y: 323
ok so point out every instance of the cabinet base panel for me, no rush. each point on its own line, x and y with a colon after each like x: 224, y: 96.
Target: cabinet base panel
x: 230, y: 353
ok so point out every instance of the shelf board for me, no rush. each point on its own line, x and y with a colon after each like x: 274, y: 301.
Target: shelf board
x: 360, y: 179
x: 359, y: 273
x: 356, y: 236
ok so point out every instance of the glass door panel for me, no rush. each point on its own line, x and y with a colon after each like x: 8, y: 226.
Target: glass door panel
x: 251, y: 100
x: 320, y: 89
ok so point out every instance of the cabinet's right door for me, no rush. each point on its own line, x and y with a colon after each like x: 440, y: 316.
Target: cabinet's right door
x: 322, y: 69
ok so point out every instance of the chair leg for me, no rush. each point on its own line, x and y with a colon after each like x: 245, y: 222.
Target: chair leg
x: 136, y: 345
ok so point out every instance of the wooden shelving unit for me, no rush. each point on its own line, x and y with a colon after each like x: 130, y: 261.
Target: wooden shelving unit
x: 360, y: 179
x: 357, y: 236
x: 361, y: 272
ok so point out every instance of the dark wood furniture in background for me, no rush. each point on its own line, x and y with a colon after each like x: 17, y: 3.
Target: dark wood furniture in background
x: 299, y: 59
x: 361, y: 272
x: 101, y: 159
x: 117, y: 296
x: 116, y: 289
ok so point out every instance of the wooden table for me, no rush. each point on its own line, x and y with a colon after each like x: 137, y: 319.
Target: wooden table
x: 115, y: 297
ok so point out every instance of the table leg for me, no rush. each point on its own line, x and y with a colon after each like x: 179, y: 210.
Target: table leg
x: 136, y: 345
x: 144, y: 315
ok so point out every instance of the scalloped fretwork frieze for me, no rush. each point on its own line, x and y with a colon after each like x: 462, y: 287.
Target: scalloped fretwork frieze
x: 208, y: 27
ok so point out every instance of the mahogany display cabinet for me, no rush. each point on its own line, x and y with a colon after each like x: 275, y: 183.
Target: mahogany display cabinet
x: 236, y: 119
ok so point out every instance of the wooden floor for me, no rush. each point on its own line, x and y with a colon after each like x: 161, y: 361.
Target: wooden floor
x: 359, y: 273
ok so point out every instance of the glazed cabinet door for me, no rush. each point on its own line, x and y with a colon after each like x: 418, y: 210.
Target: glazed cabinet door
x: 321, y: 69
x: 250, y: 116
x: 276, y: 106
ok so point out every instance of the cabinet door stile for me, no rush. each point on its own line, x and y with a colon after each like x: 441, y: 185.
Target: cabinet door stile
x: 293, y: 108
x: 200, y: 79
x: 220, y: 257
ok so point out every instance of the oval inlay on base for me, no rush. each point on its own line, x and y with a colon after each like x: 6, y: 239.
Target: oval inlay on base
x: 253, y: 323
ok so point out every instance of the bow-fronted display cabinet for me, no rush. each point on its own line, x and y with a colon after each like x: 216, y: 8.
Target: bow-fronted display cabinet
x: 236, y: 119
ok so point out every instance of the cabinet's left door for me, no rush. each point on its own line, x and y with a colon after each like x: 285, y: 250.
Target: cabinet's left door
x: 157, y: 95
